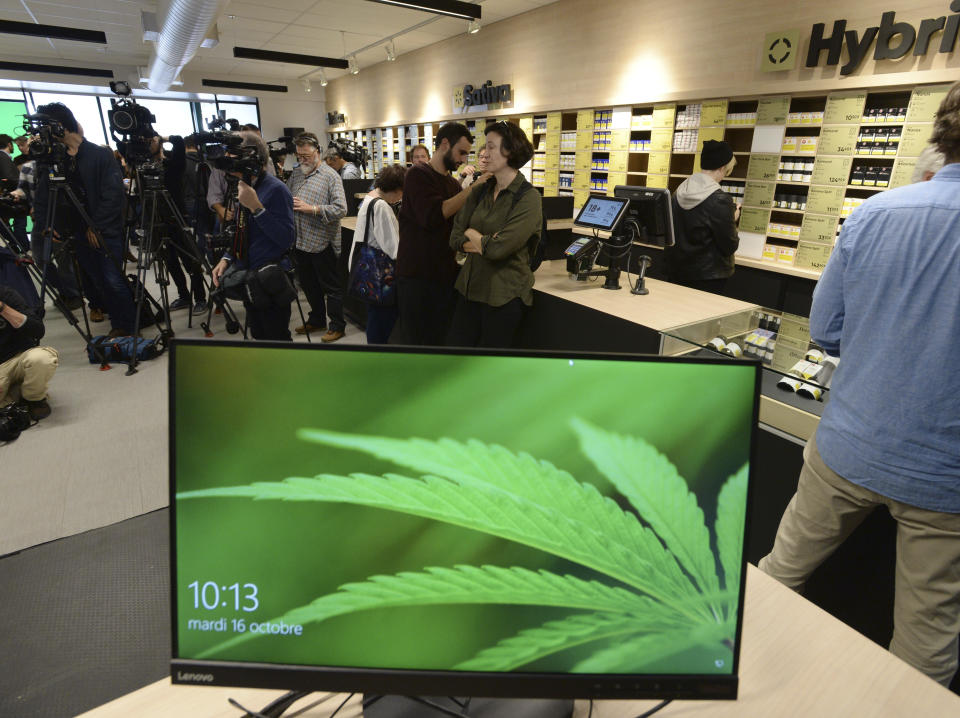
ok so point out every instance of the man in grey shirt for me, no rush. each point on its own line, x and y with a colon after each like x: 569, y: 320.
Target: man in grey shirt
x: 347, y: 170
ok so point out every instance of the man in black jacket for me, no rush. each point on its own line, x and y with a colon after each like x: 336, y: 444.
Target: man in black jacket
x: 23, y: 364
x: 93, y: 173
x: 705, y: 224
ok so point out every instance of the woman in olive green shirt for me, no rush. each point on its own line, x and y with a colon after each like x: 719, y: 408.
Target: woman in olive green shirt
x: 498, y: 228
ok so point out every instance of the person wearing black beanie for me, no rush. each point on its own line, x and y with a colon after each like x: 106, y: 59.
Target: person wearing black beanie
x: 705, y: 224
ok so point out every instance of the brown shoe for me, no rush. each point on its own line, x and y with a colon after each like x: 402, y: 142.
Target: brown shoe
x: 96, y: 315
x: 332, y: 336
x: 308, y: 328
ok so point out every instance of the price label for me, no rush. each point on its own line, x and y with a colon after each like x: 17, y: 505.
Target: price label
x: 526, y: 124
x: 713, y: 113
x: 786, y: 354
x: 924, y: 103
x: 618, y: 161
x: 553, y: 141
x: 831, y: 170
x: 763, y: 167
x: 585, y: 120
x: 620, y: 140
x: 584, y: 139
x: 614, y: 179
x: 661, y: 140
x: 758, y: 194
x: 664, y: 115
x: 838, y: 140
x: 773, y: 110
x: 796, y: 329
x: 818, y: 229
x: 659, y: 163
x: 581, y: 180
x: 844, y: 108
x: 554, y: 121
x: 550, y: 191
x: 657, y: 180
x: 915, y: 139
x: 552, y: 160
x: 903, y: 171
x: 754, y: 220
x: 811, y: 256
x: 825, y: 200
x: 551, y: 177
x: 583, y: 160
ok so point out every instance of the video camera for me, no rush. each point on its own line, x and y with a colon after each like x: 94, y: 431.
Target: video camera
x: 131, y: 126
x: 46, y: 148
x: 350, y: 151
x: 286, y: 147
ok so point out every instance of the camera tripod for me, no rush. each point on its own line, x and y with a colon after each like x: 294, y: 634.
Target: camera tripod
x: 58, y: 184
x: 153, y: 253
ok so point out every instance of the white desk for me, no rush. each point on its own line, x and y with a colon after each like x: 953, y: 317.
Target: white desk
x: 795, y: 660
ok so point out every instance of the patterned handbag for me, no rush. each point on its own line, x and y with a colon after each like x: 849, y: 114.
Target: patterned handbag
x: 371, y: 276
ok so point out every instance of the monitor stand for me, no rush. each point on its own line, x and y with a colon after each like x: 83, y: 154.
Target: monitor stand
x: 413, y: 707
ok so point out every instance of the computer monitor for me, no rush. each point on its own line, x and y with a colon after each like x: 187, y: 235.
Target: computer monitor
x: 649, y: 216
x: 457, y: 522
x: 602, y: 213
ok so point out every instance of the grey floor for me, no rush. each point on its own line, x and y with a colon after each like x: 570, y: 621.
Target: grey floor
x: 84, y: 585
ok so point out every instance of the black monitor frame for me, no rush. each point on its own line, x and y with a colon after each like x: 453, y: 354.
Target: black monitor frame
x: 648, y: 205
x: 438, y: 682
x: 609, y: 227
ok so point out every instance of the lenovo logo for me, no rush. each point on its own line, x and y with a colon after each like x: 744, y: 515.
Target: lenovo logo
x: 195, y: 677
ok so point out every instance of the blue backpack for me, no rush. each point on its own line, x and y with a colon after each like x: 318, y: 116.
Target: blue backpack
x: 120, y: 349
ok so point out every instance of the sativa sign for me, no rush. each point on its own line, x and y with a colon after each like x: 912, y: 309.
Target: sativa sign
x: 486, y: 97
x: 890, y: 40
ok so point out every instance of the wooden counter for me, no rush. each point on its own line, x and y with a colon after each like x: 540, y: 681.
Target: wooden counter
x: 795, y: 660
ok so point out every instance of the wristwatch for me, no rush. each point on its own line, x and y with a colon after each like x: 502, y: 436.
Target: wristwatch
x: 259, y: 211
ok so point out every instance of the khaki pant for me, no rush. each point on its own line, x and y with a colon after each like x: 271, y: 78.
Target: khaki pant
x: 30, y: 372
x: 926, y: 613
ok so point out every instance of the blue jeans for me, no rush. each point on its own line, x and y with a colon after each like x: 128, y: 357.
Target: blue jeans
x: 380, y: 321
x: 117, y: 297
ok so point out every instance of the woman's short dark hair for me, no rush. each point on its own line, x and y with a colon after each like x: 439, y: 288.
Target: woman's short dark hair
x: 391, y: 178
x: 946, y: 127
x: 514, y: 144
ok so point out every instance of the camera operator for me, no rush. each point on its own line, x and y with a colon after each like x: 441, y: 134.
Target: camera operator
x: 23, y: 364
x: 270, y: 235
x: 93, y: 174
x: 174, y: 168
x: 8, y: 170
x: 347, y: 170
x: 271, y: 170
x: 196, y: 182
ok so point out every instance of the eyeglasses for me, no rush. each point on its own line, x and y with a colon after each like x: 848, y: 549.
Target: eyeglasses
x: 306, y: 155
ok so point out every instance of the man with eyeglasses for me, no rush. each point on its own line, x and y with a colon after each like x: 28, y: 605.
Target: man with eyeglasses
x: 318, y: 205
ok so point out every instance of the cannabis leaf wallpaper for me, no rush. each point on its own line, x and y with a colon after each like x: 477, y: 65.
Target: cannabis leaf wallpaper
x: 459, y: 512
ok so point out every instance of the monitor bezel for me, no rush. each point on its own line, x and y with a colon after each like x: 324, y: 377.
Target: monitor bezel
x: 667, y: 200
x: 389, y: 681
x: 595, y: 225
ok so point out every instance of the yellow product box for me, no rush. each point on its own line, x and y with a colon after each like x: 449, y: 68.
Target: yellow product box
x: 786, y: 255
x: 770, y: 252
x: 808, y: 145
x: 789, y: 144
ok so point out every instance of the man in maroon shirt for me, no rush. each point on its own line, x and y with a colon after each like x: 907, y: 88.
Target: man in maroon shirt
x: 426, y: 265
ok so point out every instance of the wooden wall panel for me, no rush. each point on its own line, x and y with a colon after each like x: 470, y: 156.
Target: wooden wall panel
x: 584, y: 53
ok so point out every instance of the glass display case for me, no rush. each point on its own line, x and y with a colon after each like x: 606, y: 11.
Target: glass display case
x: 797, y: 372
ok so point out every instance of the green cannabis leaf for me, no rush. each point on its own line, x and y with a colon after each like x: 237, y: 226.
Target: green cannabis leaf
x: 663, y: 596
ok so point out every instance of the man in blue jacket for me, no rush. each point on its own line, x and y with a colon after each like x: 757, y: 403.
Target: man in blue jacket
x: 270, y: 235
x: 94, y: 175
x: 887, y: 305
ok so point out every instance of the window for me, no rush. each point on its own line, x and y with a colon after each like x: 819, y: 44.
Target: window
x: 84, y: 107
x: 243, y: 112
x: 173, y: 116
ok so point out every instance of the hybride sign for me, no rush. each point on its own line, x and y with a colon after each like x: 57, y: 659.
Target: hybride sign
x: 487, y: 96
x: 890, y: 40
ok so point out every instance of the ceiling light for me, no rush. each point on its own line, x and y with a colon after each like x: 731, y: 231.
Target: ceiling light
x: 391, y: 51
x: 55, y: 32
x: 452, y: 8
x: 352, y: 64
x: 306, y: 84
x: 323, y: 79
x: 251, y: 53
x: 473, y: 27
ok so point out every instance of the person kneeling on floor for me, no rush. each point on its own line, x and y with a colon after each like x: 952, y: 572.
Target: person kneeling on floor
x: 25, y: 368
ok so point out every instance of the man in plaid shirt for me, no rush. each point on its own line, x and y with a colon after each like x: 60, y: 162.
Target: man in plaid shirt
x: 318, y: 205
